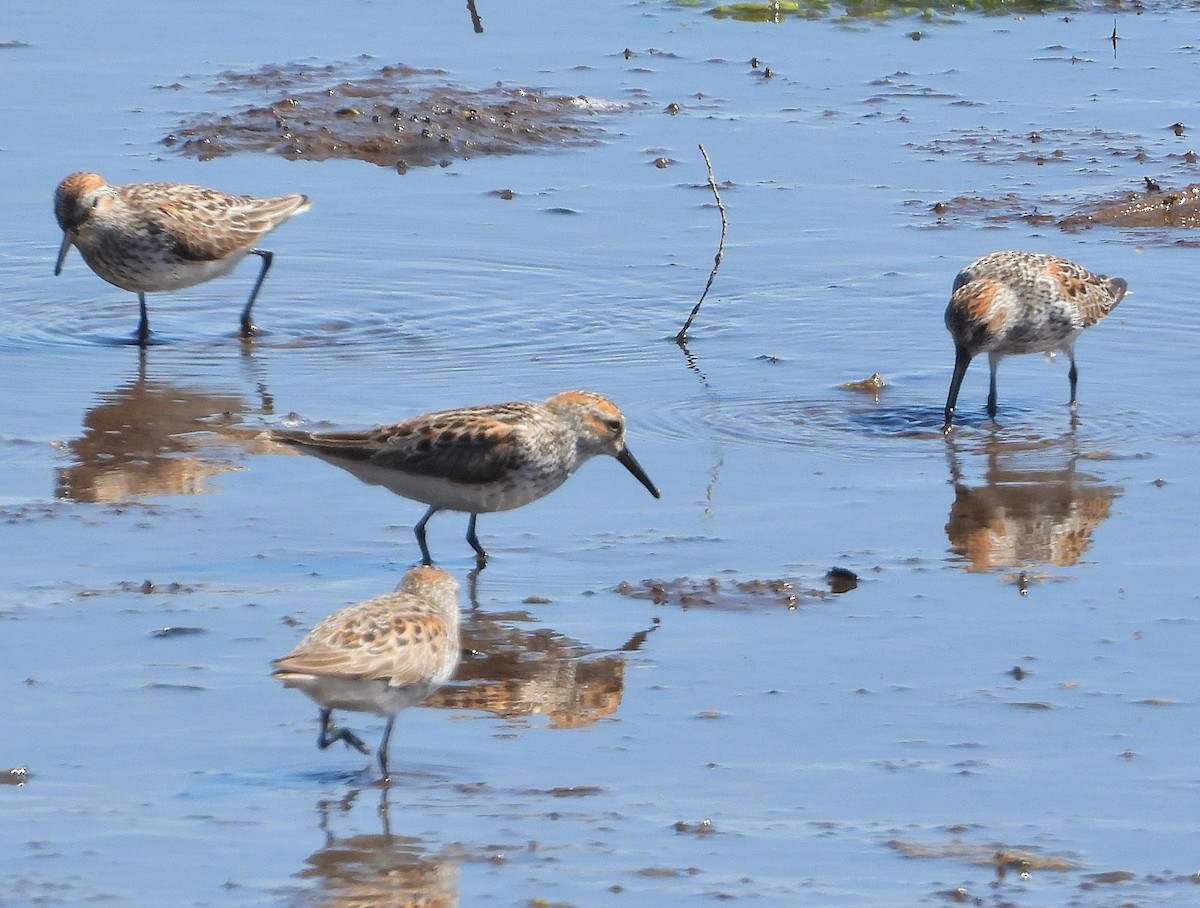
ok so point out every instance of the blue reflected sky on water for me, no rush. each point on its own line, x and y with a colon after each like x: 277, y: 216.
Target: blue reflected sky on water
x: 811, y: 738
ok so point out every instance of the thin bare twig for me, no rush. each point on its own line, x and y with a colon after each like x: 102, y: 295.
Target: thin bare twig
x: 681, y: 337
x: 476, y: 22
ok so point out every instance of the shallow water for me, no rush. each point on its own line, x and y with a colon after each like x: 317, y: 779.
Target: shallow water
x: 707, y: 742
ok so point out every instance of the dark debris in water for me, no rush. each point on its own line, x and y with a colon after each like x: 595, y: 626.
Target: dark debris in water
x: 847, y: 11
x: 395, y: 116
x: 667, y: 873
x: 841, y: 580
x: 1088, y: 150
x: 1001, y: 860
x: 37, y: 512
x: 1023, y: 580
x: 711, y: 592
x: 1002, y: 209
x: 569, y: 791
x: 872, y: 386
x: 1154, y: 209
x: 16, y: 776
x: 998, y: 856
x: 1108, y: 878
x: 145, y: 587
x: 173, y: 688
x: 176, y: 631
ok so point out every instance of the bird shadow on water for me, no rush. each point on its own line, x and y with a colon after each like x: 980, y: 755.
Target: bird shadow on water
x: 1033, y: 505
x: 71, y: 330
x: 1016, y: 424
x: 906, y: 421
x: 506, y: 670
x: 152, y: 436
x: 131, y: 340
x: 374, y: 868
x: 516, y: 672
x: 809, y: 422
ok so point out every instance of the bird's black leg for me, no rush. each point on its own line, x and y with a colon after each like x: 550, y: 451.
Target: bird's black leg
x: 248, y: 327
x: 143, y: 331
x: 962, y: 359
x: 993, y: 363
x: 1072, y: 374
x: 383, y: 749
x: 481, y: 557
x: 330, y: 734
x: 419, y: 529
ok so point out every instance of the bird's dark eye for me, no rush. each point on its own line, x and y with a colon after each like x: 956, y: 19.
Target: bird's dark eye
x: 614, y: 424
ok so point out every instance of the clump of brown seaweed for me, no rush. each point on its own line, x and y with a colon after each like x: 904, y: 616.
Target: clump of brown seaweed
x: 1154, y: 207
x: 395, y: 116
x: 712, y: 592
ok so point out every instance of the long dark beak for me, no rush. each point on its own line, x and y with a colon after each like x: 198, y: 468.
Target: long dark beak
x: 630, y: 463
x: 68, y: 239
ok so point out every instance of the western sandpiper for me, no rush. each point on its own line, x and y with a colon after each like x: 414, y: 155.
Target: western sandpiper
x: 1022, y: 302
x: 479, y: 459
x: 150, y: 237
x: 380, y: 656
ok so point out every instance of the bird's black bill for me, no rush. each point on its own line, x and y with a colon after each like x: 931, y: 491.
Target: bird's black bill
x: 962, y: 359
x: 68, y: 239
x: 630, y: 463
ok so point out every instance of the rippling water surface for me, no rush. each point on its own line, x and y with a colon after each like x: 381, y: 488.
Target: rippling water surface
x: 661, y: 702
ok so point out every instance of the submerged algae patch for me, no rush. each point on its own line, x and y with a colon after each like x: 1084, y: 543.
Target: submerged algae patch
x: 1162, y: 211
x: 1153, y: 208
x: 997, y: 856
x: 711, y: 592
x: 1105, y: 153
x: 877, y: 10
x: 395, y: 116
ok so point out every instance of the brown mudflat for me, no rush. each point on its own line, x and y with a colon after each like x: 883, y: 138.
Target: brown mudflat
x: 395, y: 116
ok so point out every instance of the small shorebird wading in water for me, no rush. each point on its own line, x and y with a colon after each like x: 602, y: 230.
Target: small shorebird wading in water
x: 1022, y: 302
x: 151, y: 237
x: 479, y: 459
x: 380, y: 656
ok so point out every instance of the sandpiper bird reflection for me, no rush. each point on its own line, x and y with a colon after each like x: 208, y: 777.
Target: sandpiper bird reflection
x: 380, y: 656
x: 479, y: 459
x: 1022, y: 302
x: 150, y: 237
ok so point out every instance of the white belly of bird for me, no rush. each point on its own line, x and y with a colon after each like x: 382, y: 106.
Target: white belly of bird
x: 196, y: 273
x: 473, y: 498
x: 158, y: 275
x: 359, y: 695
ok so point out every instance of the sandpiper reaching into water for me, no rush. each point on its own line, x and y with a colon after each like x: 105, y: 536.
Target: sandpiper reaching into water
x: 479, y: 459
x: 151, y: 237
x: 380, y: 656
x: 1022, y: 302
